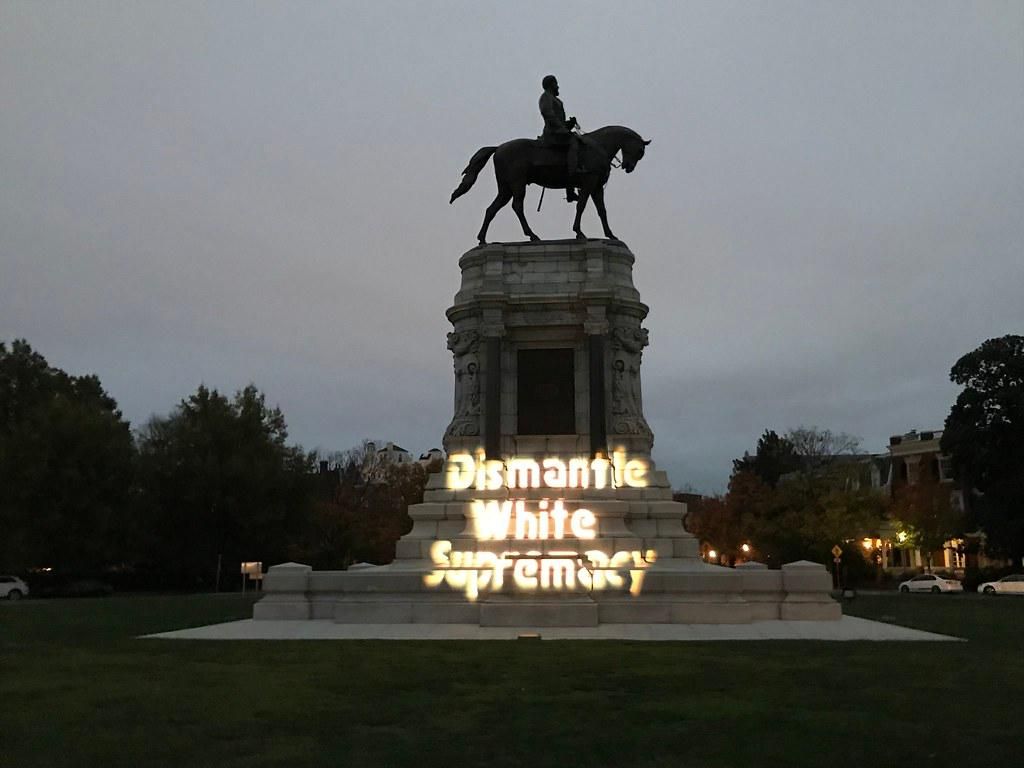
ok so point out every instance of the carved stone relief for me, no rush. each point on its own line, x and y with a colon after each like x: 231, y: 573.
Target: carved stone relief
x: 466, y: 421
x: 627, y: 345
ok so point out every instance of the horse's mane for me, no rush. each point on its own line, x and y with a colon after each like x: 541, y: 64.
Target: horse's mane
x: 619, y: 128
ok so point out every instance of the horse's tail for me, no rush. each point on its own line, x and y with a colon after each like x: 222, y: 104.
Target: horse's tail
x: 476, y: 164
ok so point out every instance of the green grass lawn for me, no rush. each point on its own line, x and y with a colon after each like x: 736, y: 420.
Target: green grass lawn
x: 77, y: 689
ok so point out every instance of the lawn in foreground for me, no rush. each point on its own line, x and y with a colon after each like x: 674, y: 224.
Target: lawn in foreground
x: 78, y: 690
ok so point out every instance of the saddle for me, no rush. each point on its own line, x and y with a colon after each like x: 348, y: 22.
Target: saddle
x: 551, y: 153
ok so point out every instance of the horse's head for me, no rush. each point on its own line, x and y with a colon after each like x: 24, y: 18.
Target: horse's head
x: 632, y: 151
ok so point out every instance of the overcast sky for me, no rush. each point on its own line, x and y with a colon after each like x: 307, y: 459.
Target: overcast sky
x: 830, y: 214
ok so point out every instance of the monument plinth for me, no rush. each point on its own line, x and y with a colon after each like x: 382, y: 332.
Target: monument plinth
x: 547, y: 347
x: 549, y: 510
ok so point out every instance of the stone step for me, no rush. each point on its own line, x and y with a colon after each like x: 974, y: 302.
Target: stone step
x: 571, y: 610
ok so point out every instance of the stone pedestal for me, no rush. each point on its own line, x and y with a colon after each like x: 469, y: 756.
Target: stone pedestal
x: 547, y: 348
x: 547, y: 345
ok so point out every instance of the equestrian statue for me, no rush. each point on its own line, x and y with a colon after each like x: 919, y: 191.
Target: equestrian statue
x: 558, y: 159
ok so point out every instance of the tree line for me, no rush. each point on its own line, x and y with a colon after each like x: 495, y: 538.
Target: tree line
x: 213, y: 483
x: 216, y: 481
x: 810, y: 489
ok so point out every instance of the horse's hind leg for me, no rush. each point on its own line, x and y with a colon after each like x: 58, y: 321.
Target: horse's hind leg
x: 500, y: 201
x: 581, y: 204
x: 517, y: 205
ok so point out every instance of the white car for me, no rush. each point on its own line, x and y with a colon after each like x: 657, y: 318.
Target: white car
x: 929, y: 582
x: 12, y: 588
x: 1008, y: 585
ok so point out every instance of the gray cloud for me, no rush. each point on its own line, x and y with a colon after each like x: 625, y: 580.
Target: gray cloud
x: 828, y: 217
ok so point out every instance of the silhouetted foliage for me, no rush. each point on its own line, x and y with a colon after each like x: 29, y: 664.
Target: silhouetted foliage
x: 984, y: 435
x: 724, y: 522
x: 925, y: 510
x: 65, y: 467
x: 820, y: 449
x: 775, y: 457
x: 798, y: 496
x: 214, y: 480
x: 364, y: 516
x: 217, y: 479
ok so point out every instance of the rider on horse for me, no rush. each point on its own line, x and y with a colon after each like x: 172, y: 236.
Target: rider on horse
x: 558, y: 131
x: 521, y: 162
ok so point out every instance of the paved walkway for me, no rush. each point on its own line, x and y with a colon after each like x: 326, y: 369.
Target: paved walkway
x: 847, y: 628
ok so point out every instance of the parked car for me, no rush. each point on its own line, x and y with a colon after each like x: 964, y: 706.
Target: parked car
x: 65, y: 586
x: 1008, y: 585
x: 12, y: 588
x: 929, y: 582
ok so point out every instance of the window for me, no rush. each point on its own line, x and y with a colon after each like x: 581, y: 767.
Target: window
x: 945, y: 468
x: 957, y: 557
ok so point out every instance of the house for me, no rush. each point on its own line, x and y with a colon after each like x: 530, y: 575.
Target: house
x: 391, y: 454
x: 914, y: 458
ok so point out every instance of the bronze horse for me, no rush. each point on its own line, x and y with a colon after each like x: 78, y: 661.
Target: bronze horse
x: 520, y: 162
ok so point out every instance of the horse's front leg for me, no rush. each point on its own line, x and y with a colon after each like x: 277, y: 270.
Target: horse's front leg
x: 518, y: 196
x: 581, y: 204
x: 598, y: 195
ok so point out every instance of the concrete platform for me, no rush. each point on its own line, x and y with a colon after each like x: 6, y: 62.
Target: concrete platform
x: 848, y: 628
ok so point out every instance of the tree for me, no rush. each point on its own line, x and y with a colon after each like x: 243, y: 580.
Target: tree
x: 387, y: 505
x: 803, y: 521
x: 364, y: 514
x: 743, y: 515
x: 927, y: 512
x: 65, y: 468
x: 218, y: 480
x: 715, y: 524
x: 841, y: 514
x: 808, y: 450
x: 984, y: 435
x: 775, y: 456
x: 819, y: 449
x: 800, y: 495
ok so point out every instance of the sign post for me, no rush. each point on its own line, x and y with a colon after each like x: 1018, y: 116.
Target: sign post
x: 251, y: 570
x: 837, y: 556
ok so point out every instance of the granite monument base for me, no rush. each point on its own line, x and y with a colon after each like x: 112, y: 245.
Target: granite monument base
x: 658, y: 578
x: 549, y: 511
